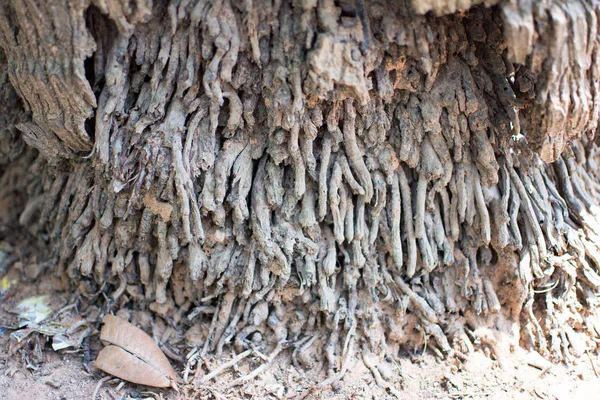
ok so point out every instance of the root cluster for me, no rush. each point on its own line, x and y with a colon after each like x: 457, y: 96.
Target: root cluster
x: 367, y: 175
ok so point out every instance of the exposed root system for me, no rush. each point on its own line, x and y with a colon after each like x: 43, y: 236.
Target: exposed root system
x: 279, y: 171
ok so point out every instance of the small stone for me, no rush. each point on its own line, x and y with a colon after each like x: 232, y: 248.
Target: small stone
x: 276, y: 390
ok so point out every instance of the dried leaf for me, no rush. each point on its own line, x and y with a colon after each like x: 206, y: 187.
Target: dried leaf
x: 33, y: 310
x: 132, y: 355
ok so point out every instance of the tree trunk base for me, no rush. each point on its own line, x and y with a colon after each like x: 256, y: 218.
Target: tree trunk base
x: 330, y: 179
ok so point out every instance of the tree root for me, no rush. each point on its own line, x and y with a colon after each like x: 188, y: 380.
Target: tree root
x: 382, y: 383
x: 295, y: 184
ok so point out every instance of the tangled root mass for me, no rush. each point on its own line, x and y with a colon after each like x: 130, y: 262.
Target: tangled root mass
x: 364, y: 173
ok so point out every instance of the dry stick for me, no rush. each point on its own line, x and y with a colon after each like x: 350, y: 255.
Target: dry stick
x: 540, y: 186
x: 258, y: 370
x: 500, y: 217
x: 156, y: 396
x: 258, y: 352
x: 427, y: 255
x: 470, y: 211
x: 463, y: 394
x: 225, y: 366
x: 592, y: 362
x: 492, y: 298
x: 99, y: 385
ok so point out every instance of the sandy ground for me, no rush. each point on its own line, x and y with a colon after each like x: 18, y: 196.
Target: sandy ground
x: 31, y: 369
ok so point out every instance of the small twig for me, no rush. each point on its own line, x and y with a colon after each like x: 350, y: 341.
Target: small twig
x: 225, y: 366
x: 545, y: 370
x: 191, y: 361
x: 258, y: 353
x: 258, y: 370
x: 76, y: 326
x: 201, y: 310
x: 236, y: 367
x: 216, y: 395
x: 169, y: 353
x: 157, y: 396
x: 119, y: 387
x: 592, y: 362
x: 99, y: 385
x: 67, y: 308
x: 192, y: 353
x: 555, y: 284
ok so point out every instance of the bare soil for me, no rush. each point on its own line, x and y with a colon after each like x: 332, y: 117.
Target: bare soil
x: 33, y: 370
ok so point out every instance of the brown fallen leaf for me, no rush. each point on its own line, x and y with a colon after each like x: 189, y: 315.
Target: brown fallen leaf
x: 132, y: 355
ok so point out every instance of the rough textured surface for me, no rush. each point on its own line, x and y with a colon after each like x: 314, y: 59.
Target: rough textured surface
x: 11, y: 113
x: 352, y: 169
x: 440, y: 7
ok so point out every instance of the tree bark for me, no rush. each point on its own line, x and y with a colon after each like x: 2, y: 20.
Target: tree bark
x: 356, y: 169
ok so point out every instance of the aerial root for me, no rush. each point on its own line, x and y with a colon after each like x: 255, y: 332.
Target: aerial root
x: 347, y: 354
x: 368, y: 360
x: 301, y: 347
x: 463, y: 342
x: 149, y: 200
